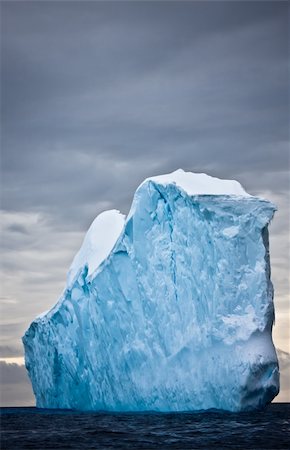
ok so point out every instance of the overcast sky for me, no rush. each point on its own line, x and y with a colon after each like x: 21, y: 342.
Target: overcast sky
x: 97, y: 96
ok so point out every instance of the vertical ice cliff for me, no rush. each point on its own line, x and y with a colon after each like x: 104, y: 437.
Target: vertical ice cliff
x: 168, y: 310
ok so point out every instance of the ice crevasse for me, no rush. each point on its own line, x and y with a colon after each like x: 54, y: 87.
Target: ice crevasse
x: 169, y: 309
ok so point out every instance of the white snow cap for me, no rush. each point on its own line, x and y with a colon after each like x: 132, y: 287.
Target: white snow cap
x: 200, y: 183
x: 98, y: 243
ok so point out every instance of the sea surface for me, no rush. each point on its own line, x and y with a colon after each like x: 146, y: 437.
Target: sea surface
x: 32, y: 428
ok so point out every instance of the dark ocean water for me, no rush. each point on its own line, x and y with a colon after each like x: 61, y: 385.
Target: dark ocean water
x: 31, y: 428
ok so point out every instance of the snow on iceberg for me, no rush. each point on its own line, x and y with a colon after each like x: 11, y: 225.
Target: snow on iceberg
x: 168, y: 310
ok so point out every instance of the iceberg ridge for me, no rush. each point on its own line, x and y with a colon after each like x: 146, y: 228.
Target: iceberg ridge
x: 175, y: 315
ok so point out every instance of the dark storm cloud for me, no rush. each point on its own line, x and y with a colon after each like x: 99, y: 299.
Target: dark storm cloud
x: 97, y: 96
x: 89, y: 85
x: 10, y: 327
x: 12, y: 373
x: 284, y: 368
x: 17, y: 228
x: 15, y: 386
x: 7, y: 351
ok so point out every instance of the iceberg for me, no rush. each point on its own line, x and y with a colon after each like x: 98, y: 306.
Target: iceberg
x: 168, y: 309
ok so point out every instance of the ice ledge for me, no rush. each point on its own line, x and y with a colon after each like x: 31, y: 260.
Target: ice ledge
x: 98, y: 243
x: 200, y: 184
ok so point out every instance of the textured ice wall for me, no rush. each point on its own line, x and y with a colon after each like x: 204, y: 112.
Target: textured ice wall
x: 177, y: 317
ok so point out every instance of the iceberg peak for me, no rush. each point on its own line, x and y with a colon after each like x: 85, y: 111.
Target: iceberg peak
x: 97, y: 244
x: 200, y: 183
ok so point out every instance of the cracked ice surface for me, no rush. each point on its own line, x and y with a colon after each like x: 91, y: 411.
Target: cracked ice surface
x: 170, y: 311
